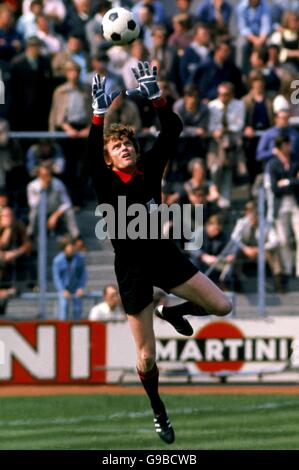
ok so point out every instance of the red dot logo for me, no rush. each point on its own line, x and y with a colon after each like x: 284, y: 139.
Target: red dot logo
x: 219, y: 342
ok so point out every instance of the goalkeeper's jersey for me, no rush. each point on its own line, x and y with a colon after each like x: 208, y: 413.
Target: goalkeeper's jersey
x: 144, y: 186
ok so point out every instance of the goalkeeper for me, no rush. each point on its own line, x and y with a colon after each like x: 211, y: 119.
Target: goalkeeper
x: 117, y: 169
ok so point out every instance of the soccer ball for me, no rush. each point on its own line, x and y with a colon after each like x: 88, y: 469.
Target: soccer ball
x: 119, y: 26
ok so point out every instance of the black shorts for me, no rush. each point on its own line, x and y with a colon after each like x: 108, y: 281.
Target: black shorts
x: 160, y: 264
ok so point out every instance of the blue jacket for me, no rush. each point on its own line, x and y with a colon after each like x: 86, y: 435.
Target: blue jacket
x: 206, y: 12
x: 256, y: 21
x: 267, y: 142
x: 70, y: 276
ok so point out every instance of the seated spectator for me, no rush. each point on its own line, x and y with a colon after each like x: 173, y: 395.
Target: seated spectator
x: 159, y: 14
x: 146, y: 21
x: 246, y: 234
x: 216, y: 14
x: 225, y: 155
x: 284, y: 177
x: 59, y: 206
x: 197, y: 53
x: 283, y: 100
x: 287, y: 39
x: 70, y: 277
x: 45, y: 151
x: 125, y: 111
x: 30, y: 110
x: 194, y: 115
x: 254, y: 24
x: 52, y: 42
x: 266, y: 145
x: 93, y: 26
x: 181, y: 37
x: 208, y: 76
x: 26, y: 24
x: 70, y: 110
x: 259, y: 61
x: 197, y: 169
x: 214, y: 241
x: 15, y: 248
x: 74, y: 51
x: 110, y: 309
x: 258, y: 117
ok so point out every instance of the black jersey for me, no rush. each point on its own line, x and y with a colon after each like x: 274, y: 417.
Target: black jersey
x: 145, y: 186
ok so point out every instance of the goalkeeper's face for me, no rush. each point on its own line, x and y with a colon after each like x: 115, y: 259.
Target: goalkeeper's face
x: 121, y: 154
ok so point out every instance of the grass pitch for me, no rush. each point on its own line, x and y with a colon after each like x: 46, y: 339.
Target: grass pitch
x: 110, y: 422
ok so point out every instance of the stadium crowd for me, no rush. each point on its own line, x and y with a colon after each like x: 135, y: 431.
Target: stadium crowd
x: 228, y: 69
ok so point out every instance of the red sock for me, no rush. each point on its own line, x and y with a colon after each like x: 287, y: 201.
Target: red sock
x: 150, y: 382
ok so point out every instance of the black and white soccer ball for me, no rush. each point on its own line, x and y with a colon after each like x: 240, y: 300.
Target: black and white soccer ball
x: 119, y: 26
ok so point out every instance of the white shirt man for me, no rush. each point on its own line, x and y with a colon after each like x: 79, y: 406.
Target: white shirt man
x: 110, y: 309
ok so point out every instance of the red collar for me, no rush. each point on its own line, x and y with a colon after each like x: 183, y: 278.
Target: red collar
x: 126, y: 177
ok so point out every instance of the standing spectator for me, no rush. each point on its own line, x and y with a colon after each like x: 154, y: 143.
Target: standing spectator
x: 159, y: 15
x: 266, y: 144
x: 284, y: 176
x: 197, y: 169
x: 125, y: 111
x: 208, y: 76
x: 181, y: 37
x: 283, y: 100
x: 110, y: 309
x: 74, y: 50
x: 216, y: 14
x: 45, y: 151
x: 100, y: 65
x: 225, y: 156
x: 258, y: 117
x: 138, y: 52
x: 31, y: 71
x: 259, y: 61
x: 10, y: 39
x: 146, y: 19
x: 197, y: 53
x: 93, y: 26
x: 52, y: 43
x: 254, y: 24
x: 70, y: 277
x: 26, y: 25
x: 164, y: 54
x: 78, y: 15
x: 59, y: 206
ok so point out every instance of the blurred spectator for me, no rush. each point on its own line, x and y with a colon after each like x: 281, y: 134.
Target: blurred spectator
x: 45, y: 151
x: 70, y: 110
x: 74, y: 50
x: 254, y: 24
x: 284, y: 176
x: 12, y: 173
x: 259, y: 63
x: 138, y: 52
x: 70, y: 277
x: 184, y: 7
x: 197, y: 169
x: 100, y: 65
x: 283, y: 100
x: 181, y: 37
x: 125, y: 111
x: 10, y: 39
x: 77, y: 17
x: 59, y: 207
x: 208, y: 76
x: 214, y: 241
x: 93, y: 26
x: 287, y: 39
x: 146, y: 19
x: 266, y: 145
x: 110, y: 309
x: 30, y: 71
x: 52, y: 43
x: 258, y: 117
x: 195, y: 117
x: 216, y: 14
x: 159, y: 15
x: 247, y: 255
x: 164, y: 54
x: 53, y: 9
x: 197, y: 53
x: 26, y: 24
x: 15, y: 248
x: 225, y: 155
